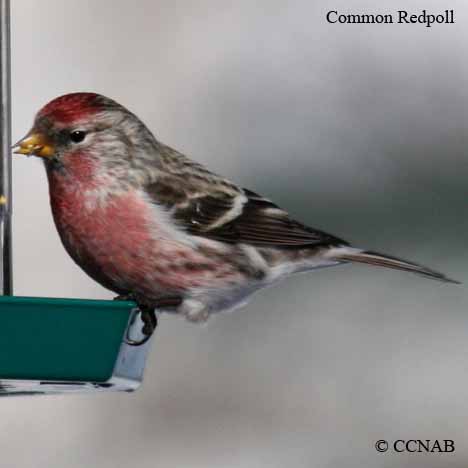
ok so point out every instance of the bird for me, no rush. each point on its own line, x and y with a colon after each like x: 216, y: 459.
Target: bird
x: 150, y: 224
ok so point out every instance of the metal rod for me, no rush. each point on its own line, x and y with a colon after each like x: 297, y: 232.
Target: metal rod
x: 5, y: 150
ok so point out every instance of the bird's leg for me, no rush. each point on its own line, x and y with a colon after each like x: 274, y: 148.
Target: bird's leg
x: 149, y: 318
x: 150, y: 322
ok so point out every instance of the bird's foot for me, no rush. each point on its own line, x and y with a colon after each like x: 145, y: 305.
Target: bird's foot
x: 149, y: 318
x: 150, y: 322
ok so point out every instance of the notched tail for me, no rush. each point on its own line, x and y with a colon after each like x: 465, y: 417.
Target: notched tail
x: 349, y: 254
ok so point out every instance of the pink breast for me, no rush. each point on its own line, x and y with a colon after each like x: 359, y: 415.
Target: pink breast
x: 118, y: 240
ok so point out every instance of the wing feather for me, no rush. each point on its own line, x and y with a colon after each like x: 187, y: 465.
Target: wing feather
x: 207, y: 205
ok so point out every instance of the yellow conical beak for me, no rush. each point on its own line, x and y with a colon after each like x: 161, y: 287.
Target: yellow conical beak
x: 34, y: 144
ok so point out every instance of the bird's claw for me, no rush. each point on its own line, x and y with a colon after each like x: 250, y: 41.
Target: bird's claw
x: 148, y: 315
x: 150, y: 322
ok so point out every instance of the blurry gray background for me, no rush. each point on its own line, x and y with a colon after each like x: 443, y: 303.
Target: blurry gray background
x: 360, y: 130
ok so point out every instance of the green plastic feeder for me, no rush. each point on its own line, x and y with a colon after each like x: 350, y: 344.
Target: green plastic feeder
x: 56, y: 345
x: 68, y: 345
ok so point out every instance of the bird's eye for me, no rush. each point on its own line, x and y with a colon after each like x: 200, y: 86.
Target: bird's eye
x: 77, y: 136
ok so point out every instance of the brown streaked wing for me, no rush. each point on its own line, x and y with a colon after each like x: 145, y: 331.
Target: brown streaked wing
x: 260, y: 222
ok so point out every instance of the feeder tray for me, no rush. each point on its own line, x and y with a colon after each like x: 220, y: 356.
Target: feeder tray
x: 68, y: 345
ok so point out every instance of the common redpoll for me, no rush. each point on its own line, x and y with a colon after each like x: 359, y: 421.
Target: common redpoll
x: 144, y: 220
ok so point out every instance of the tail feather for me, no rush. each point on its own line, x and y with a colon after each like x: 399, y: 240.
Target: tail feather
x: 368, y: 257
